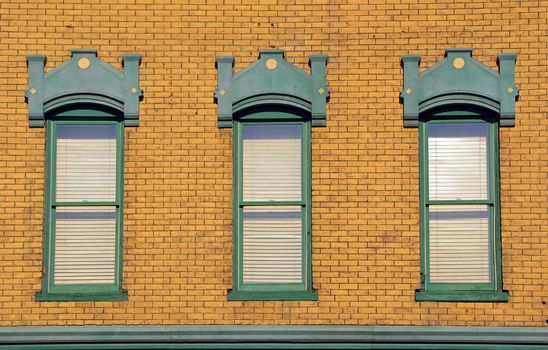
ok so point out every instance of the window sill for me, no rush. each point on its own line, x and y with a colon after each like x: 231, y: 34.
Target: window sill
x: 465, y: 295
x: 308, y: 295
x: 111, y: 296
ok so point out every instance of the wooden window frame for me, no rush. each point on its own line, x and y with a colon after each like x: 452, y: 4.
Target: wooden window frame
x: 285, y: 291
x: 487, y: 292
x: 80, y: 292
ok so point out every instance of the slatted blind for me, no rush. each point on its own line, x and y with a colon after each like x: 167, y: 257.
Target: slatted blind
x: 272, y: 235
x: 272, y: 244
x: 86, y: 163
x: 458, y: 162
x: 272, y: 163
x: 459, y: 243
x: 85, y: 236
x: 85, y: 245
x: 458, y: 169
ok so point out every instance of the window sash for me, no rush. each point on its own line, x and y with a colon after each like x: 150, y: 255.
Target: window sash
x: 458, y: 161
x: 459, y: 244
x: 84, y: 245
x: 113, y: 283
x: 272, y: 162
x: 85, y: 168
x: 272, y: 245
x: 301, y: 201
x: 491, y: 202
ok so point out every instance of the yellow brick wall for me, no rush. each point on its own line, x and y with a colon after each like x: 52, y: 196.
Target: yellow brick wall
x: 178, y: 164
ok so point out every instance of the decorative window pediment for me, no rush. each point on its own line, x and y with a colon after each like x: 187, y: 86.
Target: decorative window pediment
x: 82, y: 81
x: 271, y: 81
x: 459, y: 80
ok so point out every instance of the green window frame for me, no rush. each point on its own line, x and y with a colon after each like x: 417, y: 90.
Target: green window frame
x: 271, y: 91
x: 272, y: 291
x: 52, y: 291
x: 83, y: 225
x: 458, y: 291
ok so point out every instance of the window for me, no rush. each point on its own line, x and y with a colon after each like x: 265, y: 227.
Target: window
x: 460, y: 207
x: 458, y: 106
x: 85, y: 104
x: 84, y: 205
x: 272, y: 106
x: 272, y: 213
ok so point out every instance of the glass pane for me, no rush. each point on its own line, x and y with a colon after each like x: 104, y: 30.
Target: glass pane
x: 459, y: 244
x: 272, y: 244
x: 458, y: 162
x: 86, y: 163
x: 85, y: 245
x: 272, y: 162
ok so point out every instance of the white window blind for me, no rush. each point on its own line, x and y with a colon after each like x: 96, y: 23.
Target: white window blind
x: 458, y: 161
x: 86, y: 163
x: 85, y: 236
x: 272, y: 163
x: 458, y: 169
x: 85, y: 245
x: 272, y: 244
x: 272, y: 235
x: 459, y: 243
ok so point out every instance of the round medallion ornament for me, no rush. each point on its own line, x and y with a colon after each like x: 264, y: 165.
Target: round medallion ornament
x: 83, y: 63
x: 458, y: 63
x: 271, y: 63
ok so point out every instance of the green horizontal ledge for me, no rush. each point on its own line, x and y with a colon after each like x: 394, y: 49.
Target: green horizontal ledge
x: 275, y: 346
x: 110, y: 296
x: 463, y: 295
x: 272, y: 337
x: 307, y: 295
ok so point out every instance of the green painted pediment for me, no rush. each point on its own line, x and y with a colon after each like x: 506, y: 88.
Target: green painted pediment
x: 83, y: 81
x: 271, y: 81
x: 459, y: 80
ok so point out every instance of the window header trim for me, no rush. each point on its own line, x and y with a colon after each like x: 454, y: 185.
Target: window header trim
x: 459, y: 80
x: 84, y: 80
x: 271, y: 81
